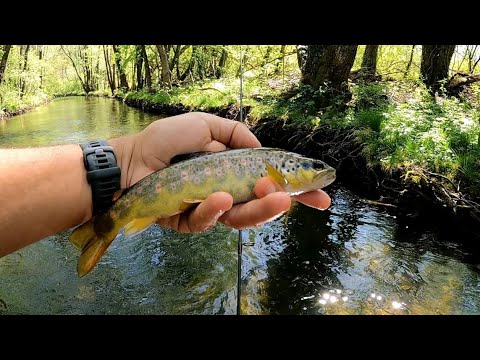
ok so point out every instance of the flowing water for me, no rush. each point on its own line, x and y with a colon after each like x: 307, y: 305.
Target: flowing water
x: 354, y: 258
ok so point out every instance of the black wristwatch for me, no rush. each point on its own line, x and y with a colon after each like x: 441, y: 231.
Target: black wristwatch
x: 103, y: 174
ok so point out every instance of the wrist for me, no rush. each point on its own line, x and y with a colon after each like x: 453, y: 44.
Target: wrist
x: 123, y: 148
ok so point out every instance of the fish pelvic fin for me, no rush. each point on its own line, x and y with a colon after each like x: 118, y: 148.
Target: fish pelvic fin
x: 136, y: 226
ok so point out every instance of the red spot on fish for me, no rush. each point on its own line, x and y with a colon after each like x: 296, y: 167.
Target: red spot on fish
x: 113, y: 215
x: 158, y: 187
x: 184, y: 174
x: 127, y: 202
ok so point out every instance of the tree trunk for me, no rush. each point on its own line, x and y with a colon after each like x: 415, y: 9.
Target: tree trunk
x: 139, y: 66
x: 369, y: 62
x: 40, y: 57
x: 280, y: 60
x: 83, y: 81
x: 120, y: 69
x: 301, y: 56
x: 329, y: 65
x: 3, y: 63
x: 409, y: 62
x: 24, y: 70
x: 222, y: 62
x: 166, y: 75
x: 148, y: 74
x: 191, y: 64
x: 435, y: 63
x: 110, y: 71
x: 87, y: 70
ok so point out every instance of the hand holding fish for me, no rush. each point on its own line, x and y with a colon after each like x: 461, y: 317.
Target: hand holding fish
x: 152, y: 149
x: 45, y: 190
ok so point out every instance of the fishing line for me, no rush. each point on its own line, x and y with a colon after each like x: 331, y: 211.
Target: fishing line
x: 240, y: 247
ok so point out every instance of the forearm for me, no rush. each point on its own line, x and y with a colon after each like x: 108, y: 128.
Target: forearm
x: 42, y: 192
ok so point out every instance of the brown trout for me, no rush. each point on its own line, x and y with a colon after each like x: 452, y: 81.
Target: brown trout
x: 177, y: 187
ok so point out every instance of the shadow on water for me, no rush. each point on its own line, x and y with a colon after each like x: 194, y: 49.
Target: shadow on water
x: 351, y: 259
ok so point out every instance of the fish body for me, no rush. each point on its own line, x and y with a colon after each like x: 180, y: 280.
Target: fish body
x: 174, y: 189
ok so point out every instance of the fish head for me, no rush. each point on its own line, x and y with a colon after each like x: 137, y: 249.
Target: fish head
x: 304, y: 174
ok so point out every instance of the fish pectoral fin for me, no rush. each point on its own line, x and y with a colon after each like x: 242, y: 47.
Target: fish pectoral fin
x: 276, y: 175
x: 137, y: 225
x: 187, y: 203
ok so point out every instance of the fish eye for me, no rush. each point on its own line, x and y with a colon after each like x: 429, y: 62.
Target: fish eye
x: 318, y: 165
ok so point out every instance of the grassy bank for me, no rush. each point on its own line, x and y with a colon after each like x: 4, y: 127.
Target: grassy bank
x: 408, y: 142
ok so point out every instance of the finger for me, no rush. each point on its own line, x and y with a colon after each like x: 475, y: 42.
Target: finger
x: 205, y: 215
x: 214, y: 146
x: 229, y: 132
x: 317, y: 199
x: 257, y: 211
x: 264, y: 186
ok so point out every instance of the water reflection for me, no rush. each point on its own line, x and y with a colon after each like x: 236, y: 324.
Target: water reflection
x: 351, y: 259
x: 72, y: 120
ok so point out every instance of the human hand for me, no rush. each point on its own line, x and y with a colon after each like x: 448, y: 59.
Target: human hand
x: 152, y: 149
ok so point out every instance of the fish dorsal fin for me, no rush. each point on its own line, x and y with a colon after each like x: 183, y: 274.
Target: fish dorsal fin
x: 276, y: 175
x: 189, y: 156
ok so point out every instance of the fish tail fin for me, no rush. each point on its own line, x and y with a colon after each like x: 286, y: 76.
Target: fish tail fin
x: 91, y: 255
x: 91, y: 244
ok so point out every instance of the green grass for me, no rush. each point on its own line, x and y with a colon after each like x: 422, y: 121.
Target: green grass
x: 203, y: 96
x: 440, y: 136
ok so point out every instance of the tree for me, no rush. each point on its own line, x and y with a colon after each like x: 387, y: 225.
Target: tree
x: 434, y: 67
x: 3, y: 62
x: 148, y: 73
x: 369, y: 62
x: 82, y: 64
x: 328, y: 65
x: 121, y: 71
x: 222, y: 62
x: 409, y: 62
x: 166, y: 79
x: 138, y: 67
x: 110, y: 69
x: 23, y: 69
